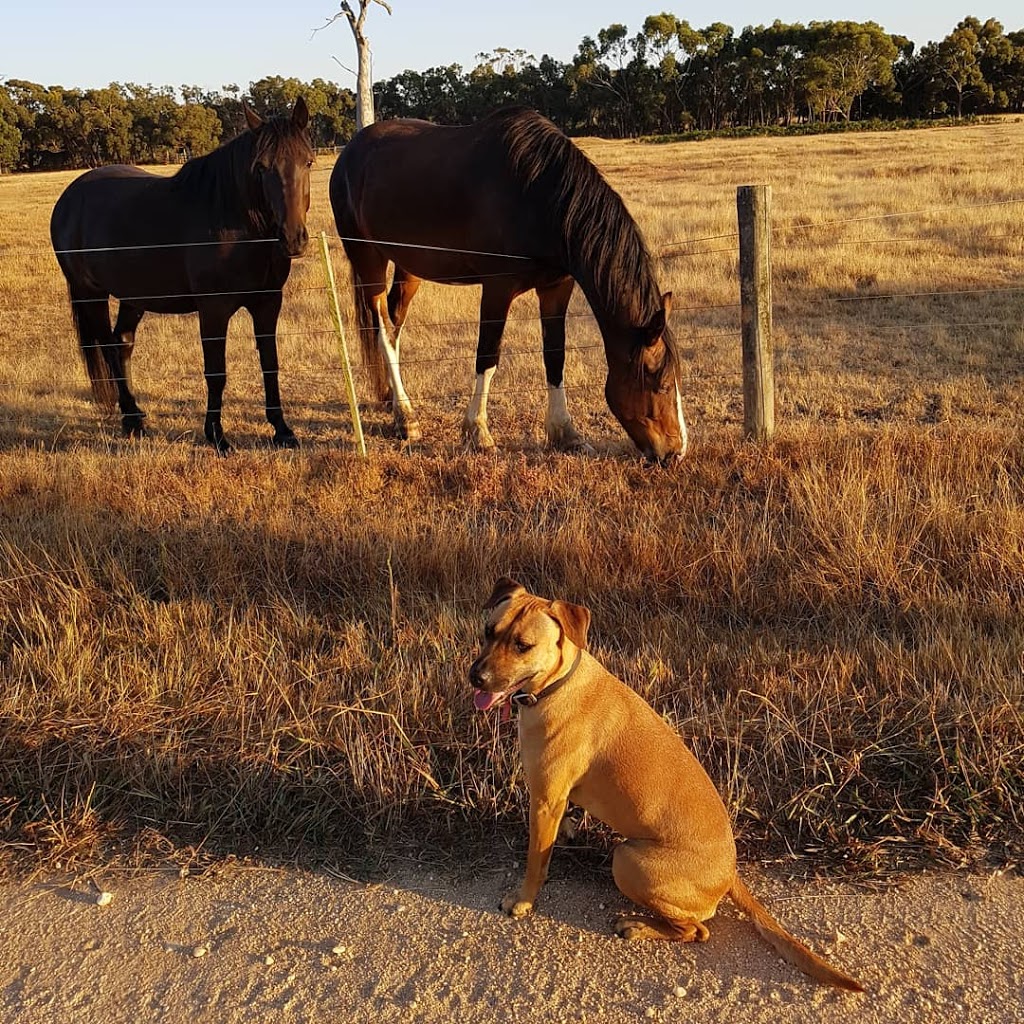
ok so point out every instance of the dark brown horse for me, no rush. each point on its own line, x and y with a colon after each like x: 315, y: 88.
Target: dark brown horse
x: 216, y: 237
x: 511, y: 204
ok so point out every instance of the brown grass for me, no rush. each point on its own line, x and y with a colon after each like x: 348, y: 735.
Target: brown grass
x: 273, y: 647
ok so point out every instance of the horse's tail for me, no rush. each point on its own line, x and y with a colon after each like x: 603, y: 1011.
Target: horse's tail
x: 343, y: 204
x: 787, y: 946
x: 373, y: 358
x: 92, y: 339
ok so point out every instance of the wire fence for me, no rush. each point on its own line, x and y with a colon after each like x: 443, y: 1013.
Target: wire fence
x: 788, y: 232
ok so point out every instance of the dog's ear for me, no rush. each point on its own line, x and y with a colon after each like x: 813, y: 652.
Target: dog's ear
x: 573, y: 618
x: 503, y: 590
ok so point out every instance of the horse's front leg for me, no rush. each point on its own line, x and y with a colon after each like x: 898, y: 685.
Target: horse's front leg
x: 558, y: 425
x: 494, y: 305
x: 264, y: 321
x: 213, y: 328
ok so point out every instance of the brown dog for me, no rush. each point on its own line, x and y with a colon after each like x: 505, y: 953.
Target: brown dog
x: 588, y: 738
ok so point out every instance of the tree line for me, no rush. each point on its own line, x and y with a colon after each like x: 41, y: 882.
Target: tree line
x: 48, y: 128
x: 670, y: 78
x: 666, y: 78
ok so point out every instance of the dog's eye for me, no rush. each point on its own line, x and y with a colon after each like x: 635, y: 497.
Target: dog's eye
x: 522, y: 646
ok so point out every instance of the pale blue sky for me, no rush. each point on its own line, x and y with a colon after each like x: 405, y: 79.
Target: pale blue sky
x: 212, y: 43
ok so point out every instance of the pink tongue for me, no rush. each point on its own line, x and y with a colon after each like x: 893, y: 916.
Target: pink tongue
x: 482, y: 700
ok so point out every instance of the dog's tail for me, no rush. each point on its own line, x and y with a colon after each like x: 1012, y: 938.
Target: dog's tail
x: 789, y: 948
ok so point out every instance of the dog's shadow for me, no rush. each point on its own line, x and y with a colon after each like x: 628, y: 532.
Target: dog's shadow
x: 575, y: 918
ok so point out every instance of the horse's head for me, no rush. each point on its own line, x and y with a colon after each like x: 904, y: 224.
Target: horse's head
x: 282, y: 157
x: 642, y: 388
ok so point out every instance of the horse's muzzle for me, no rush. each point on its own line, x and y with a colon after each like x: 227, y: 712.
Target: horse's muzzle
x: 665, y: 461
x: 295, y: 244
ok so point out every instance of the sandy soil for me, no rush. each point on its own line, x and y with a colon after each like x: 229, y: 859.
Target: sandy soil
x: 285, y: 945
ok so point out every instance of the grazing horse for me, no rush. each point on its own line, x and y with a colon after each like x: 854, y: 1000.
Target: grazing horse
x: 218, y: 236
x: 511, y: 204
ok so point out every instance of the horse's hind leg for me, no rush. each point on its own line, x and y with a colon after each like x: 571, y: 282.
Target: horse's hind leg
x: 400, y: 297
x: 554, y: 302
x: 119, y: 359
x: 380, y: 354
x: 403, y: 290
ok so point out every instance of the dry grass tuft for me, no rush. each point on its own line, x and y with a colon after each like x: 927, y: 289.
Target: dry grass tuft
x: 272, y: 648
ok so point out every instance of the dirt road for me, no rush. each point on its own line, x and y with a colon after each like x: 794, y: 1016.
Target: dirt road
x: 271, y: 945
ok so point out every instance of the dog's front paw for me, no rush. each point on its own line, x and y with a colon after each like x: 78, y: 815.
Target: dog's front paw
x: 515, y: 907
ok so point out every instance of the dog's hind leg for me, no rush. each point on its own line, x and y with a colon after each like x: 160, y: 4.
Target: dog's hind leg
x: 628, y: 926
x: 649, y: 874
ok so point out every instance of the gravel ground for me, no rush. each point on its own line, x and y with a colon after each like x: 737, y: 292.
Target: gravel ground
x: 257, y: 944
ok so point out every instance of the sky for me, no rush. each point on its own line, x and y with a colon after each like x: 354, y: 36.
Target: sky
x: 213, y: 43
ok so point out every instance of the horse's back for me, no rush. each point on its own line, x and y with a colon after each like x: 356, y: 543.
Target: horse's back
x: 116, y: 230
x: 94, y: 200
x: 391, y: 152
x: 450, y: 188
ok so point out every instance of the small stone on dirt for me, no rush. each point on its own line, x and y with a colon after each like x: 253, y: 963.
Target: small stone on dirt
x: 268, y: 961
x: 104, y: 898
x: 339, y: 949
x: 679, y: 992
x: 198, y: 951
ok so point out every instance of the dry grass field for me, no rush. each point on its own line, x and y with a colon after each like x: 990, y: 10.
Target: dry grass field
x: 272, y: 648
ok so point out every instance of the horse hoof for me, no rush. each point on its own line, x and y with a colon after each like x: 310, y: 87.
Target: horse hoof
x: 288, y: 440
x: 131, y: 426
x: 476, y: 437
x: 219, y: 444
x: 569, y: 440
x: 409, y: 431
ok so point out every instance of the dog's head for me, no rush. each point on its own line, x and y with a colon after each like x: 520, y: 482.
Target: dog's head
x: 527, y: 642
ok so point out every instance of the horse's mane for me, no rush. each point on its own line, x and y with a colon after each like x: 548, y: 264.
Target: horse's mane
x: 222, y: 179
x: 596, y: 229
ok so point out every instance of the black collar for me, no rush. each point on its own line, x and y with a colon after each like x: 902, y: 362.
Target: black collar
x: 522, y: 699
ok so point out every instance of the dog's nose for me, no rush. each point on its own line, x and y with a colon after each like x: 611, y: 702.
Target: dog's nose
x: 477, y: 676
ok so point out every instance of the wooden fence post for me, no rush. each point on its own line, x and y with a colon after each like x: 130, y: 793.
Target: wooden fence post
x: 754, y: 207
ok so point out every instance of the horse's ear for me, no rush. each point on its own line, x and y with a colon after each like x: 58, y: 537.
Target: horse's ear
x: 573, y: 618
x: 503, y: 590
x: 252, y: 119
x: 300, y: 114
x: 655, y: 327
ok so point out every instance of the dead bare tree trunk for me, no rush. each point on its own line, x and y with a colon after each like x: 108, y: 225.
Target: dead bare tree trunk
x: 364, y: 58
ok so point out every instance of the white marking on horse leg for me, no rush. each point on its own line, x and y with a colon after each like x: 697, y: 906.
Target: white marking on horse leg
x: 474, y: 426
x: 558, y: 423
x: 405, y: 420
x: 557, y: 417
x: 684, y: 438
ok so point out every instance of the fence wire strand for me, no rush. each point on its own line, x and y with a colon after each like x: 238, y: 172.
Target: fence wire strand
x: 669, y: 251
x: 926, y: 211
